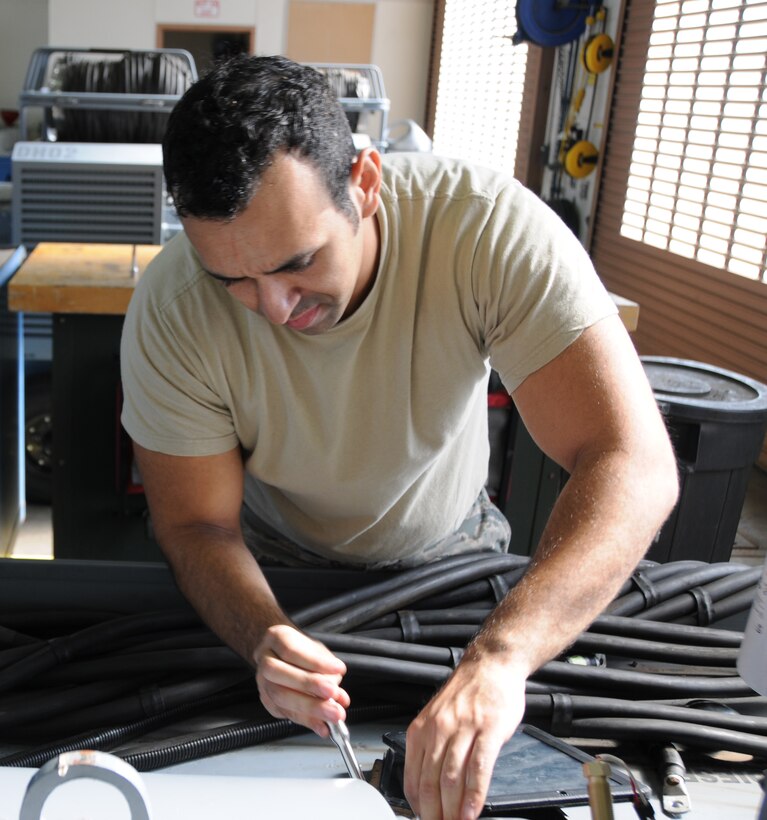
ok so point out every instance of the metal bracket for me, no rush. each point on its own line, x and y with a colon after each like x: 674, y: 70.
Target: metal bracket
x: 676, y: 798
x: 87, y: 764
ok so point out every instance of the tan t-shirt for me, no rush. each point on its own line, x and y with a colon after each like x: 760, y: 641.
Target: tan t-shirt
x: 368, y: 443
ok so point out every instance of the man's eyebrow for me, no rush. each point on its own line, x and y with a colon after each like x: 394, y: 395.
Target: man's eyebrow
x: 222, y: 278
x: 297, y: 261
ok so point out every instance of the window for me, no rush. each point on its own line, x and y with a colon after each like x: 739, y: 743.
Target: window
x: 698, y: 176
x: 480, y: 83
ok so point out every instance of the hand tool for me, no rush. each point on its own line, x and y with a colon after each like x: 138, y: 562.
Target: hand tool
x: 339, y: 734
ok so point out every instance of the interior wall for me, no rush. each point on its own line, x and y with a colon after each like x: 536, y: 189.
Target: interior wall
x: 94, y: 23
x: 401, y: 36
x: 330, y: 32
x: 23, y: 28
x: 401, y: 49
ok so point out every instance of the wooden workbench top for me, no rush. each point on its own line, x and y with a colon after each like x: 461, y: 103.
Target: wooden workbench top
x: 62, y: 277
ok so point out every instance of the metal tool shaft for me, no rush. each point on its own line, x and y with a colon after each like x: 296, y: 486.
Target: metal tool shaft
x: 339, y: 734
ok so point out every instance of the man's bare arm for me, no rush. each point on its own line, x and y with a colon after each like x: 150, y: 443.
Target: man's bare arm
x: 592, y: 411
x: 195, y: 506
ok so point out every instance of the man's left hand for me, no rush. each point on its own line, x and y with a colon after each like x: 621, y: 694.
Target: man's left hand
x: 454, y: 742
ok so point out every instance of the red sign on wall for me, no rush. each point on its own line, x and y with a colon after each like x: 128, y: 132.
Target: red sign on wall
x: 207, y: 8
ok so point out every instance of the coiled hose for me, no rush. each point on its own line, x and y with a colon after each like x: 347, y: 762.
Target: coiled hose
x: 640, y: 671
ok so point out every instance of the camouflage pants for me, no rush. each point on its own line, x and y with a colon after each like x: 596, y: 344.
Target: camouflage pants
x: 484, y: 529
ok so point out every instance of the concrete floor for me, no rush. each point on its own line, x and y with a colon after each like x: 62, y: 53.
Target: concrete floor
x: 751, y: 539
x: 35, y: 539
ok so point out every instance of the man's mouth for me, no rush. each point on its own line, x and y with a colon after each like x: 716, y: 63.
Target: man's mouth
x: 304, y: 319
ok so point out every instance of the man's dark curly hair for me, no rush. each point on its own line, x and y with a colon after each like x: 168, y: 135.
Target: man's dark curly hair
x: 228, y: 126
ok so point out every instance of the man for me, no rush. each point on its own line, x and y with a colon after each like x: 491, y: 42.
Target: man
x: 305, y: 374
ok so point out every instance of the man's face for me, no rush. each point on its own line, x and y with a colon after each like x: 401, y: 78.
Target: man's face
x: 291, y: 256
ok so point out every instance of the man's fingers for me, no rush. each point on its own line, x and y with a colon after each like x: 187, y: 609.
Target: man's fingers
x: 299, y: 678
x: 452, y: 777
x: 478, y: 774
x: 297, y: 649
x: 414, y: 752
x: 451, y: 782
x: 299, y: 707
x: 278, y: 672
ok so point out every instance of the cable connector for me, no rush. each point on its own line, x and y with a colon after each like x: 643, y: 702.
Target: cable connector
x: 675, y: 798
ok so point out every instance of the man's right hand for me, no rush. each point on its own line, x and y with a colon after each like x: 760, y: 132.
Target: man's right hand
x: 299, y: 678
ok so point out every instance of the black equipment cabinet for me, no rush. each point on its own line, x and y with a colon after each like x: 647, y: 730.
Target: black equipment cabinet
x: 716, y: 419
x: 94, y: 514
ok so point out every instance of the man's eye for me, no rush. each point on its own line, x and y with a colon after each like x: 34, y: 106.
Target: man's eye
x: 227, y: 283
x: 297, y: 267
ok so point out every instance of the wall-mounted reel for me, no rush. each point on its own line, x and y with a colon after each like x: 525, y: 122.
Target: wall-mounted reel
x: 550, y: 22
x: 580, y: 158
x: 598, y: 53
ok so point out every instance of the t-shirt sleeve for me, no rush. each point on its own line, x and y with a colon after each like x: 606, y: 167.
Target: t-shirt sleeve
x: 170, y: 404
x: 534, y: 284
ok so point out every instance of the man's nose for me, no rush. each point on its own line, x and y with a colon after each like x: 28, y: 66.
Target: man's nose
x: 276, y: 299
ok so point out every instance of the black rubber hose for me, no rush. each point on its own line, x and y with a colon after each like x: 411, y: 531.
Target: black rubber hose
x: 685, y: 603
x: 106, y: 738
x: 322, y: 609
x: 396, y: 669
x: 8, y: 657
x: 753, y: 705
x: 477, y: 591
x: 587, y: 642
x: 635, y: 602
x: 689, y: 734
x: 360, y: 645
x: 197, y: 639
x: 390, y: 643
x: 692, y: 635
x: 27, y: 707
x: 584, y: 706
x: 143, y: 702
x: 12, y: 638
x: 59, y: 650
x: 657, y: 572
x: 436, y: 635
x: 596, y: 679
x: 431, y: 617
x: 55, y: 622
x: 640, y: 648
x: 735, y: 604
x: 237, y: 736
x: 641, y: 684
x: 403, y: 596
x: 142, y: 663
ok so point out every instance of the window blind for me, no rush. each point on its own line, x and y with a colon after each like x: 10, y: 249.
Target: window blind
x: 480, y: 83
x: 697, y: 183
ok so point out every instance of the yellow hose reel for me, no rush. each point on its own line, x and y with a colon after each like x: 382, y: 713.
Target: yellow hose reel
x: 581, y: 159
x: 598, y: 53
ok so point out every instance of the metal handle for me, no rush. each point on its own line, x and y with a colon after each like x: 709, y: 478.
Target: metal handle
x: 339, y: 734
x: 93, y: 765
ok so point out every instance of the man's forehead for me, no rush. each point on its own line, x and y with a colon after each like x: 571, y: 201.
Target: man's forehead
x: 222, y: 246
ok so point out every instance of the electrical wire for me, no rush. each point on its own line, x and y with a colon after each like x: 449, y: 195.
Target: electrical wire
x: 397, y: 645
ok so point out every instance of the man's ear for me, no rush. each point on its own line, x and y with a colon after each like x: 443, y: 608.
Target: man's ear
x: 365, y: 180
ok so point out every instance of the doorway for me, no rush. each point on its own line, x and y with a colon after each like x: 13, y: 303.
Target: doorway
x: 207, y: 44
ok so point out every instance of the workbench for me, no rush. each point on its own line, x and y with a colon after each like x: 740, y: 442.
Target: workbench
x: 87, y: 288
